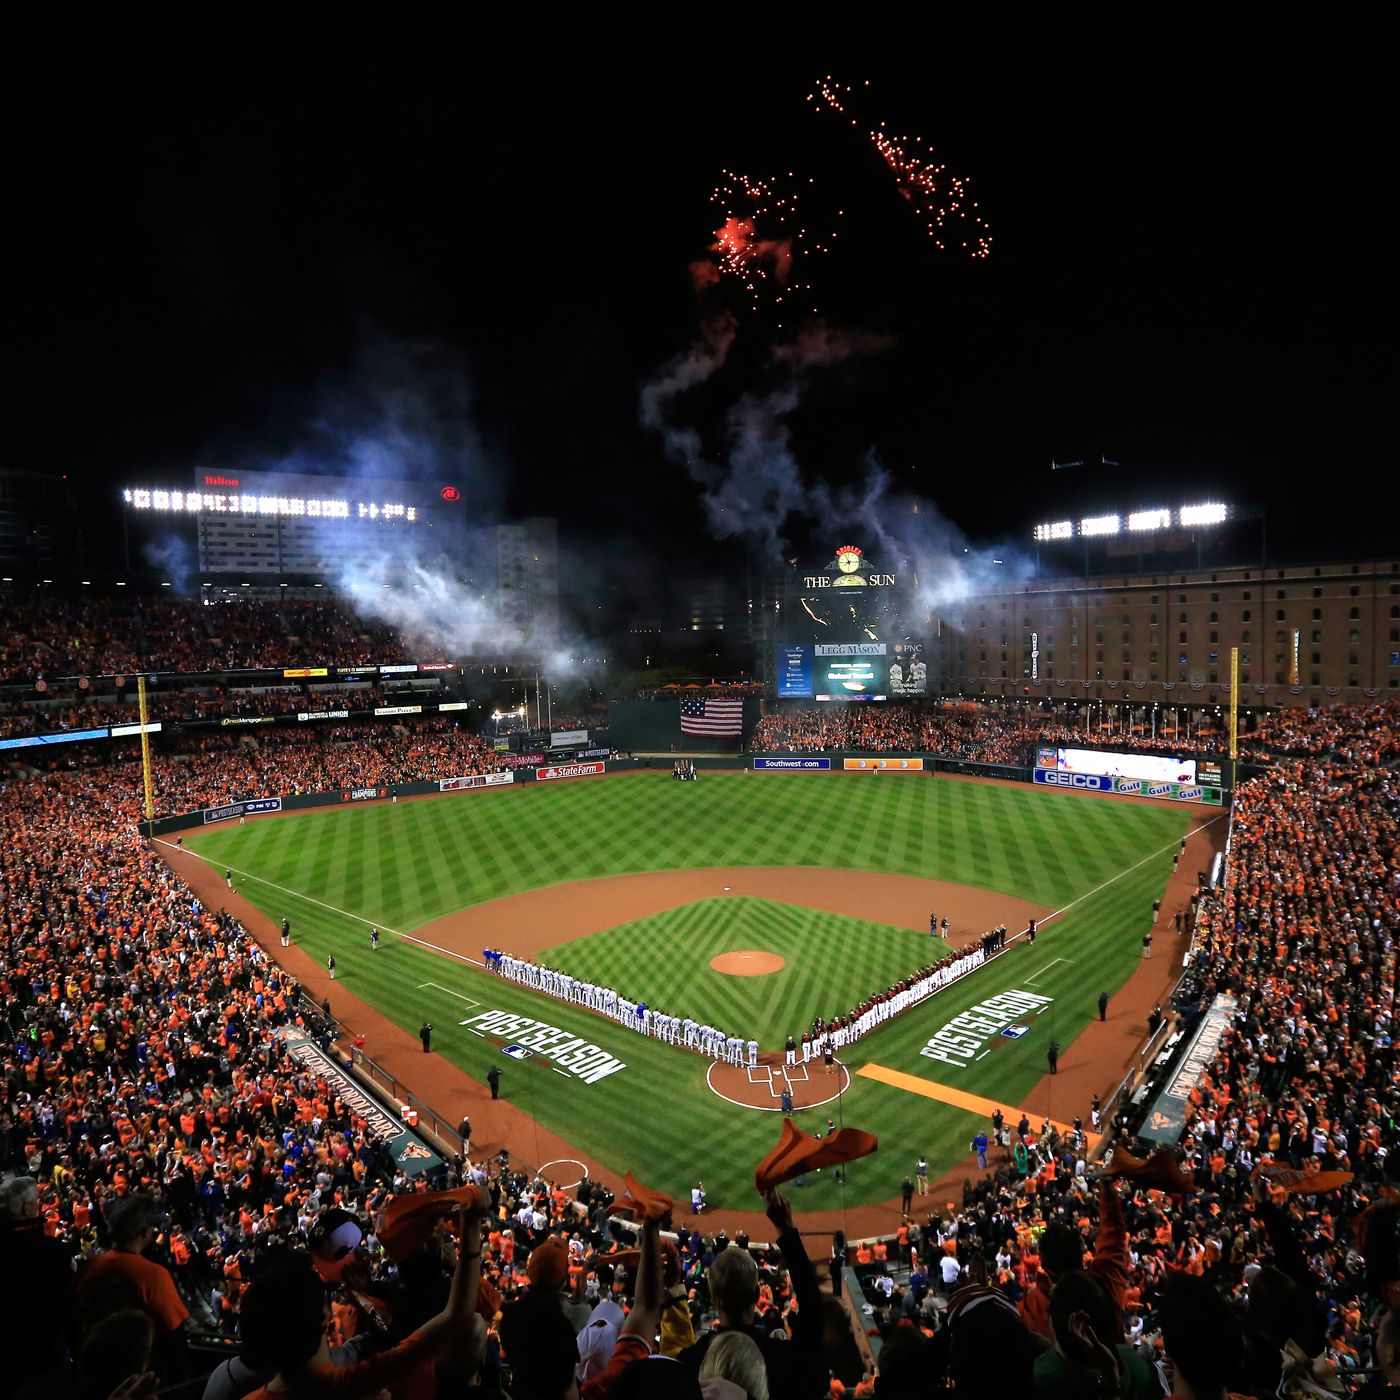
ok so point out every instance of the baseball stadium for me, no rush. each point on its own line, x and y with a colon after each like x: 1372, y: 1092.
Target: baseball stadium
x: 606, y: 792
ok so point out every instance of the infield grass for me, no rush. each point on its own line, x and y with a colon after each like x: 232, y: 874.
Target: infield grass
x: 333, y: 872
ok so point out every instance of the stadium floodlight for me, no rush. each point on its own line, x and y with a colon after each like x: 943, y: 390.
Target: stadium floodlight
x: 1055, y: 530
x: 297, y: 507
x: 1208, y: 514
x: 1150, y: 520
x: 1099, y: 525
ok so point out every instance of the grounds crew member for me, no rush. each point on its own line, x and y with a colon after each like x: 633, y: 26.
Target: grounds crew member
x: 425, y: 1034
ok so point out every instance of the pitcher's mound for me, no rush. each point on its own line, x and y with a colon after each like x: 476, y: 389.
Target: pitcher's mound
x: 747, y: 964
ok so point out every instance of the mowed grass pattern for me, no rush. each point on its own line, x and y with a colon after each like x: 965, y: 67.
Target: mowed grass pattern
x: 398, y: 866
x: 665, y: 961
x: 402, y: 865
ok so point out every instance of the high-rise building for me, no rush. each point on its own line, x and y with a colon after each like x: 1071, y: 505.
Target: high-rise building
x: 40, y: 525
x: 527, y: 556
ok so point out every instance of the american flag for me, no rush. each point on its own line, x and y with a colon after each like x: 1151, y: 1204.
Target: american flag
x: 712, y: 718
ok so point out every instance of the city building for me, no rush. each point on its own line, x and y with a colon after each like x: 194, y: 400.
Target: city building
x: 40, y: 524
x: 1308, y: 634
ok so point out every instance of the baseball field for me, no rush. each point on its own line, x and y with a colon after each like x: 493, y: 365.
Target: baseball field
x: 750, y: 901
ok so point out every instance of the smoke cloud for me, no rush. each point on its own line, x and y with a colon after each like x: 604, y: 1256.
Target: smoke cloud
x: 405, y: 414
x: 174, y: 556
x: 754, y: 488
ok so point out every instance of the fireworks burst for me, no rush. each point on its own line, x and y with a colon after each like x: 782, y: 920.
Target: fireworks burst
x: 940, y: 198
x: 760, y: 242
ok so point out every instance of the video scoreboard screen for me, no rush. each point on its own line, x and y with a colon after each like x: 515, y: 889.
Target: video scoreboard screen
x: 836, y: 671
x: 1147, y: 768
x: 850, y: 639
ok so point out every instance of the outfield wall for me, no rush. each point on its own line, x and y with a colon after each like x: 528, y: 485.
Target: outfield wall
x: 902, y: 764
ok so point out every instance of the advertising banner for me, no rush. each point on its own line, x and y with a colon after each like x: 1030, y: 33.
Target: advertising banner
x: 791, y: 765
x: 437, y: 665
x: 322, y: 714
x: 908, y: 675
x: 570, y: 770
x: 883, y: 765
x: 794, y: 672
x: 66, y: 736
x: 408, y: 1150
x: 256, y: 806
x: 363, y: 794
x: 1127, y: 787
x: 474, y: 780
x: 455, y: 705
x: 121, y: 730
x: 238, y: 721
x: 304, y: 672
x: 523, y: 760
x: 568, y: 738
x: 1167, y: 1118
x: 1085, y: 782
x: 398, y: 709
x: 402, y: 670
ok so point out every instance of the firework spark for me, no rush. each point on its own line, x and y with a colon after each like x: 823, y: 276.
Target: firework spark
x: 941, y: 200
x: 760, y: 242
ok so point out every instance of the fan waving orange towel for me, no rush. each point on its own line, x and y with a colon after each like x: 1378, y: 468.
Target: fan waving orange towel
x: 409, y: 1221
x: 1161, y: 1170
x: 796, y: 1153
x: 642, y: 1202
x: 1300, y: 1183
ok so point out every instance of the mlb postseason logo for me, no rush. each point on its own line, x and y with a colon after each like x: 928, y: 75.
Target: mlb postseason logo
x: 516, y: 1052
x: 1015, y: 1032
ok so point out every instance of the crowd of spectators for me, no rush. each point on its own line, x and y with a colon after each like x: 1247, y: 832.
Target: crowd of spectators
x: 1002, y: 734
x: 48, y: 635
x: 147, y: 1107
x: 213, y: 768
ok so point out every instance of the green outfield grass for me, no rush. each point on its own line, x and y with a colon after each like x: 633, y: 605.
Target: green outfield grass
x: 830, y: 959
x: 399, y: 866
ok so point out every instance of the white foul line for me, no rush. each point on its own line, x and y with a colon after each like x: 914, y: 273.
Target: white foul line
x: 320, y: 903
x: 1030, y: 981
x: 1113, y: 880
x: 449, y: 992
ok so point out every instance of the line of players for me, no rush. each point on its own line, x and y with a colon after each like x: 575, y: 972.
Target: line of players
x: 878, y: 1009
x: 636, y: 1016
x: 716, y: 1044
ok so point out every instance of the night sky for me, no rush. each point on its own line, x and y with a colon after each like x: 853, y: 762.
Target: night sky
x: 222, y: 226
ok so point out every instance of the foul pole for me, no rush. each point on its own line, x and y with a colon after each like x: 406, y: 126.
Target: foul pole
x: 1234, y: 710
x: 146, y: 756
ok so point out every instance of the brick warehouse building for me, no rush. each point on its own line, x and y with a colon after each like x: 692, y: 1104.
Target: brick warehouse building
x: 1308, y: 634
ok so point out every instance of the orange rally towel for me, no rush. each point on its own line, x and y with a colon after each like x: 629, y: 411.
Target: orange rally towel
x: 1161, y: 1170
x: 409, y: 1221
x: 1300, y: 1183
x: 632, y: 1258
x: 641, y: 1201
x: 796, y: 1153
